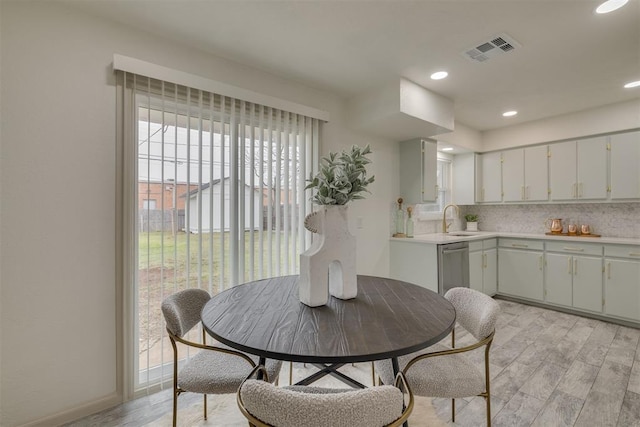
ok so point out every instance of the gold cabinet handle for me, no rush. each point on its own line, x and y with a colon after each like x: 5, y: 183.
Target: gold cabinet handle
x: 609, y: 270
x: 634, y: 253
x: 540, y: 262
x: 575, y: 267
x: 569, y: 271
x: 566, y: 248
x: 519, y: 245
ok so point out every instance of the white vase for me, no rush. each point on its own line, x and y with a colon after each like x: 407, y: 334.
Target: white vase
x: 329, y: 265
x: 472, y: 226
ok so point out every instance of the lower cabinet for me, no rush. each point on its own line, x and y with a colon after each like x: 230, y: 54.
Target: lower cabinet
x: 587, y: 283
x: 559, y: 279
x: 415, y: 263
x: 520, y: 269
x: 574, y: 281
x: 622, y: 288
x: 483, y: 266
x: 582, y: 275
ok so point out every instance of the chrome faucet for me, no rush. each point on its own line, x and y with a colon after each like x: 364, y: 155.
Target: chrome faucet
x: 445, y: 226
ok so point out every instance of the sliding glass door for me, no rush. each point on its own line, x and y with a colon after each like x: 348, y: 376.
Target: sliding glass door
x: 220, y: 201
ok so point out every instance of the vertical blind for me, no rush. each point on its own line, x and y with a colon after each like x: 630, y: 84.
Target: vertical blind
x: 221, y: 199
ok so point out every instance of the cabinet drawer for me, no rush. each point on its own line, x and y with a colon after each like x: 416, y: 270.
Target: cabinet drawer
x: 622, y: 251
x: 489, y: 243
x: 575, y: 248
x: 475, y: 246
x: 535, y: 245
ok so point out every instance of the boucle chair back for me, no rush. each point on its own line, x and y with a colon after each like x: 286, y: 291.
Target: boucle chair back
x: 475, y: 311
x: 182, y: 310
x: 266, y: 405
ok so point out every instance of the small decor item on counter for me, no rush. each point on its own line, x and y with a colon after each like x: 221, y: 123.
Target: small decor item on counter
x: 399, y: 220
x: 585, y: 229
x: 572, y: 228
x: 554, y: 225
x: 472, y: 222
x: 409, y: 222
x: 329, y: 265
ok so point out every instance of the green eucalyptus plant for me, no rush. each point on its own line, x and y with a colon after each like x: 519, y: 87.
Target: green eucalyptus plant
x: 471, y: 217
x: 341, y: 177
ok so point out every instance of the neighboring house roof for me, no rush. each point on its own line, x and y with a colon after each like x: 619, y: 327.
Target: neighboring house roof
x: 206, y: 185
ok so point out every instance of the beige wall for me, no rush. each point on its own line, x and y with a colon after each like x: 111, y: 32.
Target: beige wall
x: 58, y: 301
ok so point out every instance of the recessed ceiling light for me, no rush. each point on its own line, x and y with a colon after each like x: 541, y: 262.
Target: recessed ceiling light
x: 439, y: 75
x: 610, y: 6
x: 447, y: 149
x: 632, y: 84
x: 509, y: 113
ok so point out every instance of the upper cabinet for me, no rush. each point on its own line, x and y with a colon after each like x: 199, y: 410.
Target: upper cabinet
x: 418, y: 170
x: 625, y: 165
x: 578, y: 169
x: 524, y: 174
x: 489, y: 178
x: 604, y: 168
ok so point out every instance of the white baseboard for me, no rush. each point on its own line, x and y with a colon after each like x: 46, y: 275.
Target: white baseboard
x: 84, y: 410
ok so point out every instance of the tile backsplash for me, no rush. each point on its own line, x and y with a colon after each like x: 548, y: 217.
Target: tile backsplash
x: 607, y: 219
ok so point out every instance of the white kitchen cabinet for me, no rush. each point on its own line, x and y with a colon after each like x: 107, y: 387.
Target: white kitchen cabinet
x: 525, y: 174
x: 536, y: 173
x: 573, y: 275
x: 415, y: 263
x: 587, y: 283
x: 625, y: 166
x: 622, y: 281
x: 489, y: 178
x: 513, y: 175
x: 418, y: 171
x: 578, y: 169
x: 558, y: 279
x: 464, y: 179
x: 476, y: 261
x: 521, y: 268
x: 483, y: 266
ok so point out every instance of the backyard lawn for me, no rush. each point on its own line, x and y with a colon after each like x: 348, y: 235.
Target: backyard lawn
x: 166, y: 265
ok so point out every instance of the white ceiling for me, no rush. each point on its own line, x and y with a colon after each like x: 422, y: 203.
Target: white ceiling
x: 570, y: 59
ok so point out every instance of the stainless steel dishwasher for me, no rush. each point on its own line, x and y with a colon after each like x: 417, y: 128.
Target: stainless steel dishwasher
x: 453, y: 266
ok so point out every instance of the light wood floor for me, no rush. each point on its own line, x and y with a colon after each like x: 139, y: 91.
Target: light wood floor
x: 548, y: 369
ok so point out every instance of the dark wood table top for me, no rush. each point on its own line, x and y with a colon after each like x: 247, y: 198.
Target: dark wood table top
x: 387, y: 319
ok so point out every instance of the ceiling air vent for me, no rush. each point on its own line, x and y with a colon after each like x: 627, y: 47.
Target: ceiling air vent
x: 496, y: 45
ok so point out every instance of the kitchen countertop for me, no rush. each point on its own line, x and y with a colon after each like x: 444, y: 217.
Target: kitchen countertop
x: 467, y: 236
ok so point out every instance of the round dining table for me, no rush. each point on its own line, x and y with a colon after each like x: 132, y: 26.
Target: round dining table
x: 388, y: 318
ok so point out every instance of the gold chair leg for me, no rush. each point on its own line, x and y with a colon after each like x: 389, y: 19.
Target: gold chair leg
x: 373, y: 374
x: 290, y: 373
x: 175, y: 407
x: 453, y: 410
x: 205, y: 407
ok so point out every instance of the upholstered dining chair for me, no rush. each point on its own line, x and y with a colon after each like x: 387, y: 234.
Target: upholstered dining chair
x: 266, y: 405
x: 439, y: 371
x: 213, y: 369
